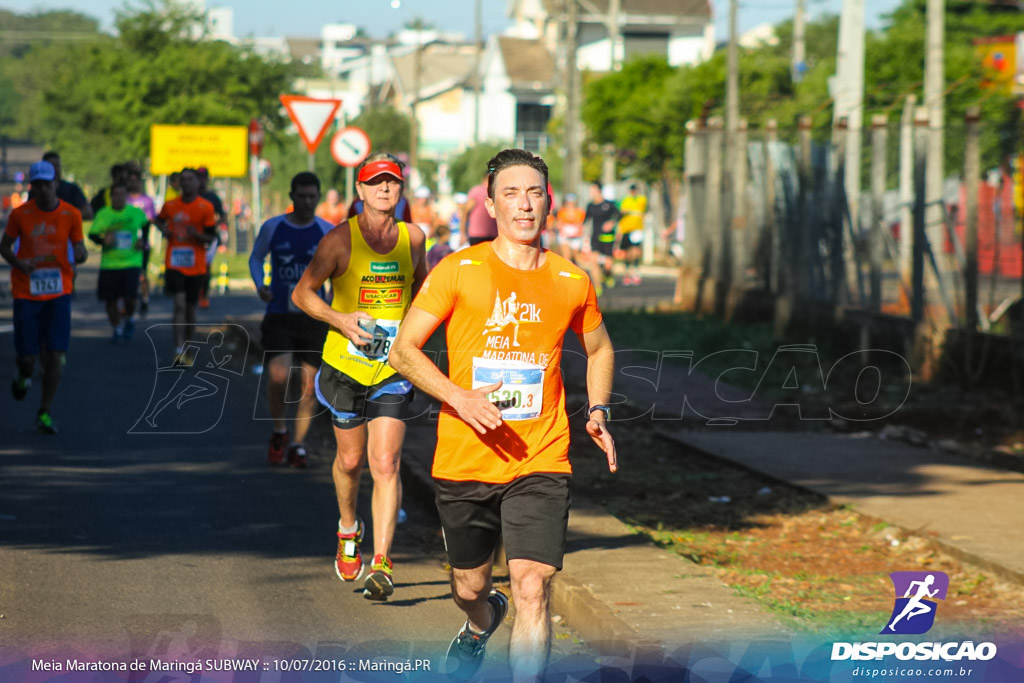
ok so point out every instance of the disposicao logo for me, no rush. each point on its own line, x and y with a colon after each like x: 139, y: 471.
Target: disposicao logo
x: 913, y: 614
x: 916, y: 595
x: 383, y: 266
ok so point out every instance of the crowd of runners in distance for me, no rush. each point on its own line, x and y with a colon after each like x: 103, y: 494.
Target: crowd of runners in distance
x: 353, y: 294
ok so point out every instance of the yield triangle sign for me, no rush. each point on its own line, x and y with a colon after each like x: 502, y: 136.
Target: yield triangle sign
x: 311, y: 116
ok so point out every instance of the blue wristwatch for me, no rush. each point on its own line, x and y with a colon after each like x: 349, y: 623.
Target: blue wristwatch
x: 604, y: 409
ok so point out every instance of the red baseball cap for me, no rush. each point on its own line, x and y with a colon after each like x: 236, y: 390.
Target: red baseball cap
x: 376, y: 168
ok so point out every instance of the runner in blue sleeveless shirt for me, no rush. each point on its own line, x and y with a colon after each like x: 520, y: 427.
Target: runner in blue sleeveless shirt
x: 290, y: 240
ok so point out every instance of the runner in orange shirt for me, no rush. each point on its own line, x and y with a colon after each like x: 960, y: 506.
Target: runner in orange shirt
x: 332, y: 210
x: 189, y: 225
x: 41, y: 281
x: 570, y: 228
x: 501, y: 466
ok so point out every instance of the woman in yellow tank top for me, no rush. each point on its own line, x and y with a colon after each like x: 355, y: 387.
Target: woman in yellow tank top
x: 376, y: 265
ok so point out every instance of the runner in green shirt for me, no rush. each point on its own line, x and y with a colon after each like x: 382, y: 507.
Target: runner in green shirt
x: 121, y: 230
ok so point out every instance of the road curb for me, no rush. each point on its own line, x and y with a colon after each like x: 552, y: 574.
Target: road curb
x: 1002, y: 571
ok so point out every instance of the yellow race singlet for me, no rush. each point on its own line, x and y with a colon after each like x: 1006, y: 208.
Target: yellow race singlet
x: 380, y: 285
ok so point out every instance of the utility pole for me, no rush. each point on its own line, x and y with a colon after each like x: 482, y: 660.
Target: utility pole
x: 849, y: 97
x: 972, y: 176
x: 799, y: 42
x: 934, y: 82
x: 879, y: 145
x: 476, y: 74
x: 414, y: 133
x: 917, y: 297
x: 732, y: 88
x: 615, y: 35
x: 573, y: 166
x: 614, y: 64
x: 907, y: 192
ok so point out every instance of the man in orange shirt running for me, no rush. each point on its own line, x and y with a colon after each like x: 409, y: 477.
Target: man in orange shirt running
x: 570, y: 228
x: 41, y: 280
x: 332, y: 210
x: 502, y: 467
x: 189, y: 224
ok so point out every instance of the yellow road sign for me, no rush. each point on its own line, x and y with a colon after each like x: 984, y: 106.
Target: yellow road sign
x: 223, y: 150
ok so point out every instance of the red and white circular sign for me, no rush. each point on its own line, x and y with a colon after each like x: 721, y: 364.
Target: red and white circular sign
x: 350, y: 146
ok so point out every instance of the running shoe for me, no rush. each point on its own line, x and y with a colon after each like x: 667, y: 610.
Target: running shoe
x: 129, y: 329
x: 466, y: 653
x: 298, y: 457
x: 20, y: 386
x: 118, y: 336
x: 275, y: 454
x: 379, y: 584
x: 204, y: 301
x: 44, y: 422
x: 348, y: 564
x: 144, y: 308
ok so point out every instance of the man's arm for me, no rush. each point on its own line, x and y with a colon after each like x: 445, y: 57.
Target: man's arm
x: 408, y: 359
x: 7, y: 251
x: 260, y: 249
x: 80, y: 202
x: 331, y: 251
x: 161, y: 225
x: 600, y: 371
x: 81, y: 254
x: 83, y: 205
x: 417, y: 244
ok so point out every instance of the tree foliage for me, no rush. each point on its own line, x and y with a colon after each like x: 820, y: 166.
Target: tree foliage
x: 642, y: 109
x: 389, y: 130
x: 469, y: 168
x: 95, y: 101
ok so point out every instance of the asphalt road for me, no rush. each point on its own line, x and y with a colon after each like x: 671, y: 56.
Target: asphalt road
x: 174, y: 539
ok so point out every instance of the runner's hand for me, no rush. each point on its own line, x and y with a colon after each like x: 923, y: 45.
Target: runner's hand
x: 477, y: 410
x: 265, y: 294
x: 598, y: 431
x: 350, y: 328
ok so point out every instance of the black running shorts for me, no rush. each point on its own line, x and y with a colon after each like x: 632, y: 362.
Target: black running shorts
x: 175, y: 281
x: 531, y: 513
x: 118, y: 283
x: 351, y: 403
x: 294, y: 333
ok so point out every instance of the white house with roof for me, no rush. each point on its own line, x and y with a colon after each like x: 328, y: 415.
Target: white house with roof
x: 682, y: 30
x: 518, y: 91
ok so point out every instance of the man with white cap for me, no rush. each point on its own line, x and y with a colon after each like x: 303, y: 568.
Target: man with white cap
x: 376, y: 265
x: 41, y: 281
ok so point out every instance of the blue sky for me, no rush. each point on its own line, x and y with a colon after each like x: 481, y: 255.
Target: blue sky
x: 378, y: 18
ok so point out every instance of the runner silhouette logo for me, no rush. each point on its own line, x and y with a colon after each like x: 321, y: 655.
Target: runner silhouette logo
x: 916, y: 596
x: 190, y: 388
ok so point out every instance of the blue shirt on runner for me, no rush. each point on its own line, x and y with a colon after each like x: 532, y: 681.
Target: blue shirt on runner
x: 291, y: 249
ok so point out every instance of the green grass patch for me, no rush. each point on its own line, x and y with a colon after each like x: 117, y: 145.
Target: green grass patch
x: 707, y: 337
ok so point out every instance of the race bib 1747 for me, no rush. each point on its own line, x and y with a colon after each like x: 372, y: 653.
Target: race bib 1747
x: 45, y: 281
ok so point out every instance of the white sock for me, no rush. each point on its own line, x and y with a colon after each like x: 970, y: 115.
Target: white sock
x: 342, y: 530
